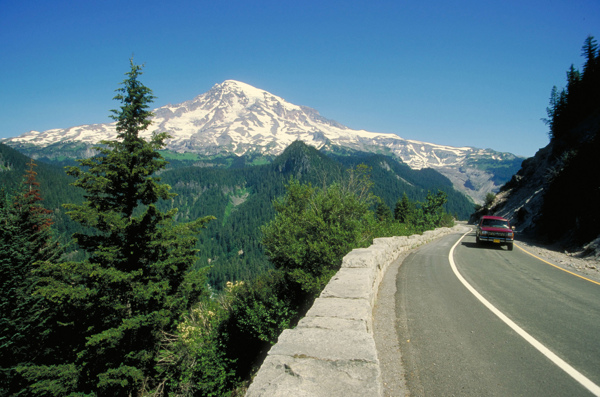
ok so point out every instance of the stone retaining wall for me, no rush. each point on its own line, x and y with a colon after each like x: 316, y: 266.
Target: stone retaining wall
x: 331, y: 352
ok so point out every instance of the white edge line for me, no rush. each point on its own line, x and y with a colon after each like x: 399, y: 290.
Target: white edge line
x: 578, y: 376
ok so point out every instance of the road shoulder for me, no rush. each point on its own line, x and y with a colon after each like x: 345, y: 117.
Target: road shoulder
x: 385, y: 335
x: 385, y: 331
x: 587, y: 266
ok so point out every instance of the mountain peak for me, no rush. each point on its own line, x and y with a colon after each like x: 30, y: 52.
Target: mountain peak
x: 236, y: 118
x: 240, y: 87
x: 247, y: 95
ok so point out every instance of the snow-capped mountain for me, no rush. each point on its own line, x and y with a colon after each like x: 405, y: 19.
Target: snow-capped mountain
x: 236, y: 118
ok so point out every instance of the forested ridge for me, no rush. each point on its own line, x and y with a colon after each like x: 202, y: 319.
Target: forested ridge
x: 241, y: 198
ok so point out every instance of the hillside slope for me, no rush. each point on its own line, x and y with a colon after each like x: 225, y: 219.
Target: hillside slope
x: 555, y: 195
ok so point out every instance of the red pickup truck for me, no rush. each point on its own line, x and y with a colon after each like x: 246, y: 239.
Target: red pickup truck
x: 495, y: 229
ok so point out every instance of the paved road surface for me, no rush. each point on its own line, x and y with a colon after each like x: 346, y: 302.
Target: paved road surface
x: 453, y: 345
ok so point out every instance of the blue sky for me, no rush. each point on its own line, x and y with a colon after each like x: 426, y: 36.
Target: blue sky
x: 460, y: 73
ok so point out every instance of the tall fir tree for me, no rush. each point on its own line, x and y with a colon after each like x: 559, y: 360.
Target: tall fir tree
x: 25, y: 239
x: 404, y: 212
x: 137, y: 281
x: 577, y: 101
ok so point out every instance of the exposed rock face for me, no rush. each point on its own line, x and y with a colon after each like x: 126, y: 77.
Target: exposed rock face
x: 471, y: 181
x: 522, y: 201
x: 559, y: 180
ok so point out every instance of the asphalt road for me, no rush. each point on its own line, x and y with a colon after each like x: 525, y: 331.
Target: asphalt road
x: 453, y: 345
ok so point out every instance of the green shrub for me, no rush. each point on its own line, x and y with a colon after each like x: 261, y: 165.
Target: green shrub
x: 193, y: 360
x: 315, y: 228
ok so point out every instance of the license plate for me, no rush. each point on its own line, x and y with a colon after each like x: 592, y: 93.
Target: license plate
x: 496, y: 240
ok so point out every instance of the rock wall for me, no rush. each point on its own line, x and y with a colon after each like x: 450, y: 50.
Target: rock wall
x: 331, y: 352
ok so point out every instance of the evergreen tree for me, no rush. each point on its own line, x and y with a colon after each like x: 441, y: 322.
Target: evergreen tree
x: 576, y: 141
x: 404, y: 212
x: 136, y: 282
x: 433, y: 209
x: 383, y: 212
x: 577, y: 101
x: 25, y: 239
x: 489, y: 200
x: 590, y: 52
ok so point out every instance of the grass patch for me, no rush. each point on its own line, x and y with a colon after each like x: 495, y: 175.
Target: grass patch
x: 238, y: 197
x: 169, y: 155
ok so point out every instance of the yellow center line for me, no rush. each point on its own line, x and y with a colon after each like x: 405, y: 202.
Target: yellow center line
x: 558, y: 267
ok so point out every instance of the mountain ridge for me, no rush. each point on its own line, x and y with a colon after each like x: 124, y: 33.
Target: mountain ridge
x: 235, y: 118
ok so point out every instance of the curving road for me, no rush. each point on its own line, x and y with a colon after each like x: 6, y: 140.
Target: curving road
x: 454, y: 345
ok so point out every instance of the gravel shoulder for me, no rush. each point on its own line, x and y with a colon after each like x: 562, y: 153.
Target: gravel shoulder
x: 384, y: 312
x: 386, y: 337
x: 573, y: 261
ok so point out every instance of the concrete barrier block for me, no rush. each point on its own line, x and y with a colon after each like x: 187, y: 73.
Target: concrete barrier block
x: 333, y: 323
x: 351, y: 283
x: 395, y: 244
x: 350, y: 309
x: 365, y: 257
x: 281, y: 376
x: 428, y: 234
x: 326, y: 344
x: 358, y: 258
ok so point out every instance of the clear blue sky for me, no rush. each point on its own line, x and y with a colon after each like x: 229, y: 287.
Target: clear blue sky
x: 461, y: 73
